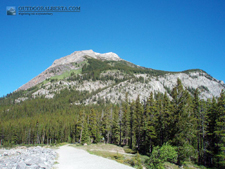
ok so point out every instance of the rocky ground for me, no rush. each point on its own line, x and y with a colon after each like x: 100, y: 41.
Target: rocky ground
x: 27, y: 158
x: 44, y: 158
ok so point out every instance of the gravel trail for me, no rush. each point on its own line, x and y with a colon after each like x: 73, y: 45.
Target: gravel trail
x: 73, y: 158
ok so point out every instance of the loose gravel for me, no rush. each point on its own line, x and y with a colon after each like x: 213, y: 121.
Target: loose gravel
x: 27, y: 158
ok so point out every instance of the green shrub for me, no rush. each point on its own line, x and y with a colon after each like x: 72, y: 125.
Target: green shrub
x: 187, y: 152
x: 166, y: 153
x: 128, y: 150
x: 130, y: 162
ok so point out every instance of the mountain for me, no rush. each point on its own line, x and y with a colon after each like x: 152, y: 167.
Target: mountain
x: 88, y: 97
x: 107, y: 77
x: 66, y: 63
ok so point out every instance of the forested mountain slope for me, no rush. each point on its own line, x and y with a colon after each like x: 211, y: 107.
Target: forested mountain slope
x: 107, y: 77
x: 194, y: 127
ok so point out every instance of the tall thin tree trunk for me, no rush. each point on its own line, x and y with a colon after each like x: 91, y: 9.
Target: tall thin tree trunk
x: 81, y: 133
x: 108, y: 137
x: 198, y: 149
x: 120, y: 133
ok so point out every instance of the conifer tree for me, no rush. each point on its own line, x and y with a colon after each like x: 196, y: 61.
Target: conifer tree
x: 151, y: 121
x: 220, y: 130
x: 80, y: 124
x: 167, y: 118
x: 212, y: 138
x: 160, y: 125
x: 85, y: 133
x: 106, y: 126
x: 181, y: 126
x: 200, y: 116
x: 133, y: 141
x: 1, y: 133
x: 138, y: 122
x: 126, y: 120
x: 198, y: 126
x: 93, y: 125
x: 115, y: 127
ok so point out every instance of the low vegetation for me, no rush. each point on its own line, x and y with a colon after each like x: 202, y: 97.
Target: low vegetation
x: 164, y: 157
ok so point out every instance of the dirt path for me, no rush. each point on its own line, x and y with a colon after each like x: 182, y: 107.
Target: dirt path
x: 72, y: 158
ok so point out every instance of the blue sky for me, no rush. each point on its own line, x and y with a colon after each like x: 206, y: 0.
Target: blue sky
x: 172, y: 35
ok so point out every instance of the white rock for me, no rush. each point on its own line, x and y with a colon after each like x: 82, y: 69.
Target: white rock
x: 79, y: 55
x: 5, y: 154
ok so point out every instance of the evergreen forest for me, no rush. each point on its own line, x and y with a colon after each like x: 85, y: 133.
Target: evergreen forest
x: 195, y: 128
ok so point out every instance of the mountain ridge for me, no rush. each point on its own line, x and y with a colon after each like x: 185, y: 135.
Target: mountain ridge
x: 113, y: 77
x: 77, y: 56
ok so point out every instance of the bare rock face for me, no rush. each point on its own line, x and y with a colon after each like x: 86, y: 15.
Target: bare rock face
x: 21, y: 99
x: 78, y: 56
x: 40, y: 92
x: 208, y: 86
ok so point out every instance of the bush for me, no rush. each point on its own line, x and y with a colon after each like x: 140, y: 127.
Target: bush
x: 187, y: 152
x: 136, y: 161
x: 128, y: 150
x: 166, y: 153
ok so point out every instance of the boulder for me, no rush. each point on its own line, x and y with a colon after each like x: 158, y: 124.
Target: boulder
x: 5, y: 154
x: 21, y: 165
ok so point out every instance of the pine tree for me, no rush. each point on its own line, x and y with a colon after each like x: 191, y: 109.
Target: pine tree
x: 212, y: 138
x: 150, y: 122
x: 132, y: 143
x: 1, y: 133
x: 220, y: 131
x: 167, y: 118
x: 164, y: 118
x: 160, y: 125
x: 93, y: 125
x: 126, y: 120
x: 106, y: 125
x: 203, y: 130
x: 85, y: 133
x: 80, y: 124
x: 115, y: 127
x: 181, y: 126
x: 198, y: 123
x: 138, y: 122
x: 200, y: 116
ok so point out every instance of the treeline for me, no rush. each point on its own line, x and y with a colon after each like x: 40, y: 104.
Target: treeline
x: 195, y: 127
x: 95, y: 67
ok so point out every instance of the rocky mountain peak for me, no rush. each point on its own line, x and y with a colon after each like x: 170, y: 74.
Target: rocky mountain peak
x: 78, y: 56
x: 64, y: 64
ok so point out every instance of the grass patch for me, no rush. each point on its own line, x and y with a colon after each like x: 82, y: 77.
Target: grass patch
x: 82, y: 63
x: 110, y: 155
x: 113, y: 152
x: 101, y: 147
x: 186, y: 165
x: 170, y: 165
x: 66, y: 74
x: 128, y: 150
x: 189, y: 165
x: 120, y: 158
x: 62, y: 144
